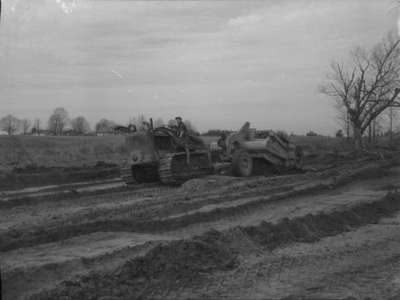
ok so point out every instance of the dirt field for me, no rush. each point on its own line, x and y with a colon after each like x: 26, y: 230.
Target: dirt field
x: 77, y: 151
x: 59, y: 151
x: 330, y: 233
x: 28, y: 161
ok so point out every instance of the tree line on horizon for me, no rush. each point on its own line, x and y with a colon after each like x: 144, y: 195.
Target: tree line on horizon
x: 59, y: 123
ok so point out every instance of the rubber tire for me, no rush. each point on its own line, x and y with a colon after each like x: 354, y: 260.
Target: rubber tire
x: 242, y: 163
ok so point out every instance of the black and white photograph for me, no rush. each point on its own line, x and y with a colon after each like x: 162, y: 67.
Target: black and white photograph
x: 199, y: 149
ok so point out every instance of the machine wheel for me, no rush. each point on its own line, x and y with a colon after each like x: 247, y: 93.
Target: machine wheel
x: 242, y: 163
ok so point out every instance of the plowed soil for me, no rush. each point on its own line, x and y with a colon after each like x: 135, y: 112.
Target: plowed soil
x: 329, y: 234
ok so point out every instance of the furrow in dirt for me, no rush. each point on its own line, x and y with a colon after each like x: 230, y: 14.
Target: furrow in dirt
x: 75, y: 192
x: 174, y: 265
x: 53, y: 187
x: 160, y: 203
x: 128, y: 222
x: 77, y: 256
x: 60, y: 256
x: 22, y: 178
x: 215, y: 186
x: 14, y: 239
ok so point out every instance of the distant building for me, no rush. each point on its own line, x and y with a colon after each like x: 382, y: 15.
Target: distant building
x: 71, y: 132
x: 121, y: 129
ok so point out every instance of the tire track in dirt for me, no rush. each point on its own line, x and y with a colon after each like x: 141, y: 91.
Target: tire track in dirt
x: 51, y: 213
x: 17, y: 239
x: 147, y: 224
x: 147, y: 204
x: 61, y: 265
x: 69, y: 254
x: 72, y: 191
x: 177, y: 264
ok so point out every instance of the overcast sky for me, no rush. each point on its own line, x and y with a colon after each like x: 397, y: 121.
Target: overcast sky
x: 217, y: 63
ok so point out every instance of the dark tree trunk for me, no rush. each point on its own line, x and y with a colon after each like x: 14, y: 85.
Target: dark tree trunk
x: 357, y: 136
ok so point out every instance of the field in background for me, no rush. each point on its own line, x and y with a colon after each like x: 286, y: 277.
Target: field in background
x: 78, y: 151
x: 316, y: 144
x: 311, y: 144
x: 65, y: 151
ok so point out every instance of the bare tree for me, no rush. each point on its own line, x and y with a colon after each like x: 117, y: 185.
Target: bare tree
x: 368, y: 86
x: 80, y: 125
x: 9, y: 124
x: 36, y: 126
x: 58, y: 120
x: 392, y: 116
x: 189, y: 126
x: 139, y: 122
x: 105, y: 126
x: 339, y: 134
x: 343, y: 119
x: 25, y: 125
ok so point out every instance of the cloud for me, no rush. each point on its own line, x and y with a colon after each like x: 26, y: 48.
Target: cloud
x: 238, y: 57
x: 244, y: 20
x: 68, y: 6
x: 118, y: 74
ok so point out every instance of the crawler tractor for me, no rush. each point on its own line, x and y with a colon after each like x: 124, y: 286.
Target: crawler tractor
x: 160, y: 155
x: 246, y: 155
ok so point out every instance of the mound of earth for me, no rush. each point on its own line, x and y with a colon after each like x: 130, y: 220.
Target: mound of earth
x: 182, y: 260
x: 181, y: 263
x: 311, y: 228
x: 177, y: 262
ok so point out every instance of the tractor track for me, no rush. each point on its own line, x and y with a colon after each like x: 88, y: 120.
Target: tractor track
x: 53, y: 193
x: 114, y: 227
x: 33, y: 195
x: 153, y: 210
x: 169, y: 269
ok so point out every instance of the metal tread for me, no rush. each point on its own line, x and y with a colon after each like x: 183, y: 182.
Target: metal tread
x: 168, y: 177
x: 126, y: 175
